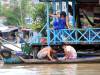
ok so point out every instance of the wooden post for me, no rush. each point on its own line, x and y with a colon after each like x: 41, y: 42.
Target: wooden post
x: 73, y: 7
x: 48, y: 31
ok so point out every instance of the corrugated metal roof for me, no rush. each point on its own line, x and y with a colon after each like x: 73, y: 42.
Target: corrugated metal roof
x: 4, y: 28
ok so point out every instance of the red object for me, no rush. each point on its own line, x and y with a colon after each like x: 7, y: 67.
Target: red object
x: 43, y: 40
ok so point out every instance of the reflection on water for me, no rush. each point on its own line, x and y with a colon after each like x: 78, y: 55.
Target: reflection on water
x: 51, y: 69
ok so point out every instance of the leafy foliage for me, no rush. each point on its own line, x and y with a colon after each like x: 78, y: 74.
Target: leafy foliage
x: 23, y: 9
x: 39, y: 16
x: 13, y: 16
x: 16, y: 15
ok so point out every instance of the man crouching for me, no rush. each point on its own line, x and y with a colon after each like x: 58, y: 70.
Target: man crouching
x: 47, y: 53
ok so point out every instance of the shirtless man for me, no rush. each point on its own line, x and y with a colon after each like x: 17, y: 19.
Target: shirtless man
x: 46, y: 52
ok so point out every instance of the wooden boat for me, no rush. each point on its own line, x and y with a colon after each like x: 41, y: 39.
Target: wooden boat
x: 37, y: 61
x: 83, y: 57
x: 78, y: 60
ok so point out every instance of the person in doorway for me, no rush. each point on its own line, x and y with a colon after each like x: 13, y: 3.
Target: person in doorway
x: 69, y: 52
x: 12, y: 38
x: 47, y: 53
x: 20, y: 36
x: 70, y: 18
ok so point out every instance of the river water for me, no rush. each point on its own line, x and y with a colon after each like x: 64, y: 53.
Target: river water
x: 50, y: 69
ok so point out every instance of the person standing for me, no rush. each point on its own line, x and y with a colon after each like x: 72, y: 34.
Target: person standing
x: 61, y: 20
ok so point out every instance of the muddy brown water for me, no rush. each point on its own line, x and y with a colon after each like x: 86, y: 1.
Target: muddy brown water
x: 50, y: 69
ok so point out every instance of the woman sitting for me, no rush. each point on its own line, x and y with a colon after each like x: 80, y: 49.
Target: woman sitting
x: 69, y: 52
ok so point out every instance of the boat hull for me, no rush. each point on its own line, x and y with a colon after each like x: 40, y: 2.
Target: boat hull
x: 78, y: 60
